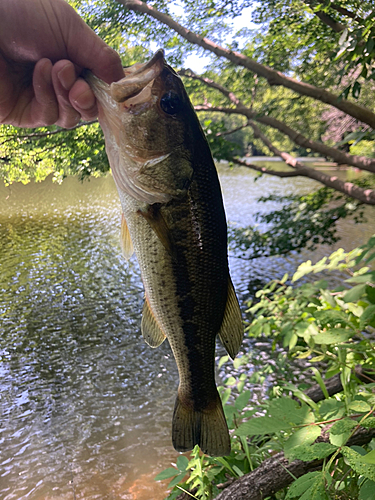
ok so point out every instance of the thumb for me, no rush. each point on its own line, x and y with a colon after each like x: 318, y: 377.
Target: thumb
x: 87, y: 50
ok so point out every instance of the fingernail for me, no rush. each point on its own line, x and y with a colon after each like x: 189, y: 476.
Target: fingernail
x: 86, y: 100
x: 67, y: 76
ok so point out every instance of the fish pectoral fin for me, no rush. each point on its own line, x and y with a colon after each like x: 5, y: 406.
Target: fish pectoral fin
x: 231, y: 330
x: 206, y: 427
x: 150, y: 329
x: 159, y: 226
x: 125, y: 240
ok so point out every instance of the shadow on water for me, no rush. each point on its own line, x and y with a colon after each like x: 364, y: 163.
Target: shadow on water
x: 86, y: 405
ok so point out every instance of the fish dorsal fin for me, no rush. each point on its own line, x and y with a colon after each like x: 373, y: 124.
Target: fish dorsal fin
x: 126, y: 242
x: 232, y: 331
x: 156, y: 220
x: 150, y: 329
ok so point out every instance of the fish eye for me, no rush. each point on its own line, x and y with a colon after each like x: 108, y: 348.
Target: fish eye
x: 170, y: 103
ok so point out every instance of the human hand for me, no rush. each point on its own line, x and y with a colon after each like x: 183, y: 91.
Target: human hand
x: 44, y: 46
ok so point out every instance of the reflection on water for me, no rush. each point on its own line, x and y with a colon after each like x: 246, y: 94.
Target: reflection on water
x: 86, y: 405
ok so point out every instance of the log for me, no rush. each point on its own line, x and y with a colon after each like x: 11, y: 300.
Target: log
x: 275, y: 473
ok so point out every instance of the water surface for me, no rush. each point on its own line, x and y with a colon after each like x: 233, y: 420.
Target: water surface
x: 86, y: 405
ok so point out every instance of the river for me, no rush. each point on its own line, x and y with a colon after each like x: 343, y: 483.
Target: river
x: 86, y: 405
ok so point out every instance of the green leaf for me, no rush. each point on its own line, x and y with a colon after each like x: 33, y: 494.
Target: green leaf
x: 316, y: 451
x: 223, y: 360
x: 331, y: 317
x: 356, y: 463
x: 360, y: 406
x: 367, y: 316
x: 260, y: 426
x: 231, y: 381
x: 342, y: 426
x: 369, y: 458
x: 237, y: 471
x: 361, y: 278
x: 310, y: 486
x: 370, y: 293
x: 355, y: 293
x: 166, y: 474
x: 369, y: 423
x: 289, y: 411
x: 304, y: 436
x: 242, y: 400
x: 339, y: 439
x: 320, y: 381
x: 303, y: 269
x: 331, y: 408
x: 182, y: 463
x: 303, y: 483
x: 367, y: 490
x: 335, y: 336
x: 225, y: 395
x: 177, y: 480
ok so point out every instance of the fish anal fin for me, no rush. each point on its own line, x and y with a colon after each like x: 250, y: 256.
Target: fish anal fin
x: 156, y: 220
x: 232, y: 330
x: 206, y: 428
x: 125, y: 240
x: 151, y: 331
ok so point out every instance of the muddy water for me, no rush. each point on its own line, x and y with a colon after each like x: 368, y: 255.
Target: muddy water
x: 85, y: 404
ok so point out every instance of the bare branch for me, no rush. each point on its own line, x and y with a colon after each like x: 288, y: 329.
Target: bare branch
x: 289, y: 159
x: 263, y: 170
x: 361, y: 162
x: 272, y: 76
x: 366, y: 196
x: 228, y: 132
x: 211, y: 83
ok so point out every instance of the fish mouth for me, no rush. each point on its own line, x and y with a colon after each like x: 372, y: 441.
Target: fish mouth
x: 135, y: 87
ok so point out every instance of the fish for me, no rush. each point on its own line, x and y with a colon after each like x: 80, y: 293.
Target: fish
x: 174, y: 220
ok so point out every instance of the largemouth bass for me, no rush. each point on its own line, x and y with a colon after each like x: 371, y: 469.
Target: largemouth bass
x: 173, y: 217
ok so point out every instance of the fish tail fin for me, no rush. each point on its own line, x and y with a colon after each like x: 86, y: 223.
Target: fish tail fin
x: 206, y: 428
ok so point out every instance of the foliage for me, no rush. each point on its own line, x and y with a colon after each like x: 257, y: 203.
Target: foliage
x: 301, y: 222
x: 26, y: 154
x: 334, y: 330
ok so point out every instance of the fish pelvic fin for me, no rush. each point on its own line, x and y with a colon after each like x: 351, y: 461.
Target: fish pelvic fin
x: 125, y: 240
x: 232, y: 331
x: 206, y: 428
x: 151, y: 331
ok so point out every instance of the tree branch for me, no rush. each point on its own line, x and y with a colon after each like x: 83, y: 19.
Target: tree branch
x: 325, y: 18
x: 275, y: 473
x: 346, y: 12
x: 232, y: 131
x: 360, y: 162
x: 264, y: 170
x: 272, y: 76
x: 366, y: 196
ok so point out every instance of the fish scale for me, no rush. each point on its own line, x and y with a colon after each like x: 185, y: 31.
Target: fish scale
x: 174, y: 219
